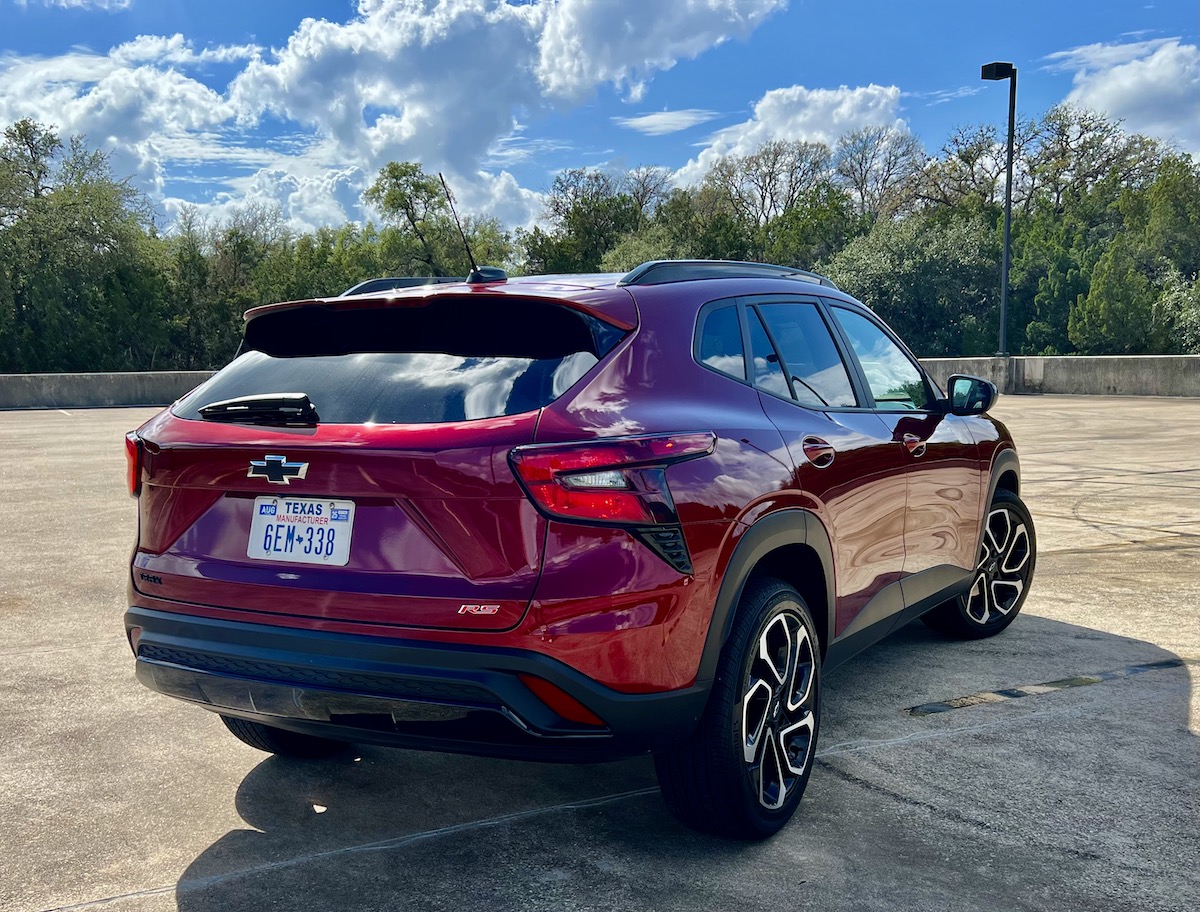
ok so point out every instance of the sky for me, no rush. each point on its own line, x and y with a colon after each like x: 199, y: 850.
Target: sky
x: 299, y: 103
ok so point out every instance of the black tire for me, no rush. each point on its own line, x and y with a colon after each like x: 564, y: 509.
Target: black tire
x: 743, y: 771
x: 1003, y: 572
x: 279, y: 741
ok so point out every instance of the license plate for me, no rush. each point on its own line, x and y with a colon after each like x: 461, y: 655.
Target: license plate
x: 301, y: 530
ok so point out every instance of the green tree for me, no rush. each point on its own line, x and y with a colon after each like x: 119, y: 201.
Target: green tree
x: 1115, y: 317
x: 934, y: 281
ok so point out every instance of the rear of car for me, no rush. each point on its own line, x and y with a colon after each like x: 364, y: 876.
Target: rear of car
x: 342, y: 532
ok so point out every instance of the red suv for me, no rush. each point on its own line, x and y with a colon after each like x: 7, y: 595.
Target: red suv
x: 568, y: 518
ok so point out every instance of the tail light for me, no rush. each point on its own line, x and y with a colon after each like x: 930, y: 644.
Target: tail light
x: 618, y: 481
x: 133, y: 463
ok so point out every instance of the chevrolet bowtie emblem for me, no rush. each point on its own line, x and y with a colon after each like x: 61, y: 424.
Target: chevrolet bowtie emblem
x: 277, y: 469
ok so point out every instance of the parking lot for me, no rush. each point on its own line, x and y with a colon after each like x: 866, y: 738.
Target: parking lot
x: 1082, y: 794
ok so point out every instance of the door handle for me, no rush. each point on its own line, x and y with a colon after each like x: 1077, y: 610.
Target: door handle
x: 819, y: 452
x: 914, y: 444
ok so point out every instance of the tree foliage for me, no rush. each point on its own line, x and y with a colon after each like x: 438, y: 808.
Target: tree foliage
x: 1106, y: 241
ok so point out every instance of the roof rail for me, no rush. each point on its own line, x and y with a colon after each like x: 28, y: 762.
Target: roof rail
x: 662, y: 272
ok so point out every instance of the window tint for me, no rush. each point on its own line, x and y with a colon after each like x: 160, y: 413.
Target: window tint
x: 768, y: 374
x: 894, y: 380
x: 720, y: 345
x: 428, y: 362
x: 818, y: 375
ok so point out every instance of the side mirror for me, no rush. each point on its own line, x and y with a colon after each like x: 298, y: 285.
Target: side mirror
x: 970, y: 395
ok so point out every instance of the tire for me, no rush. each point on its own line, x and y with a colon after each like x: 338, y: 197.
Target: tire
x: 279, y: 741
x: 1003, y: 571
x: 743, y: 771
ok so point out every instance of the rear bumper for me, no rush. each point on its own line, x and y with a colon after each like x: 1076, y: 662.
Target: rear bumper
x: 401, y: 693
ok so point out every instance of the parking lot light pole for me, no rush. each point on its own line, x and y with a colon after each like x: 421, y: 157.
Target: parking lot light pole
x: 997, y: 71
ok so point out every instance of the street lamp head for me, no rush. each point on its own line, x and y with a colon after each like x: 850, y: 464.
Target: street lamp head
x: 997, y: 71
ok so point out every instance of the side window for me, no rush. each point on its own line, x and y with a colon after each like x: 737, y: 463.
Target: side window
x: 768, y: 373
x: 895, y: 382
x: 818, y: 376
x: 719, y: 343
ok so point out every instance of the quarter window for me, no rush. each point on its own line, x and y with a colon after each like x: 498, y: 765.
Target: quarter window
x: 720, y: 342
x: 895, y: 382
x: 818, y: 376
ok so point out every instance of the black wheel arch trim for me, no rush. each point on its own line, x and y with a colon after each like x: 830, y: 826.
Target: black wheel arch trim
x: 1003, y: 461
x: 775, y: 530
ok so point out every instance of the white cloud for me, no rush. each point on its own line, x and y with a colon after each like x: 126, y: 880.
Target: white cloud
x: 589, y: 42
x: 1102, y: 56
x: 659, y: 123
x: 1153, y: 86
x: 106, y: 5
x: 442, y: 82
x: 178, y: 51
x: 797, y: 113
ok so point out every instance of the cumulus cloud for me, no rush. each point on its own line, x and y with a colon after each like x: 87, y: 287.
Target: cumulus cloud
x: 663, y: 122
x: 798, y: 113
x: 589, y: 42
x: 442, y: 82
x: 1153, y: 86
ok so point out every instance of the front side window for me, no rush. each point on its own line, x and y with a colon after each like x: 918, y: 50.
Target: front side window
x: 894, y: 380
x: 810, y: 357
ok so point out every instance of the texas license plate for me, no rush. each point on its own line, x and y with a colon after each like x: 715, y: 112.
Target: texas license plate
x: 301, y: 530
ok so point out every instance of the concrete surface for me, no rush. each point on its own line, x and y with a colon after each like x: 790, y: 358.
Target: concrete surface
x: 97, y: 390
x: 1083, y: 798
x: 1092, y: 375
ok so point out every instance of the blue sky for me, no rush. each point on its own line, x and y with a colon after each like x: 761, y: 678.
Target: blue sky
x: 297, y: 103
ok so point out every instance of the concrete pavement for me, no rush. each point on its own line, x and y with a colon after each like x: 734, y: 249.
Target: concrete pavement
x: 1075, y: 798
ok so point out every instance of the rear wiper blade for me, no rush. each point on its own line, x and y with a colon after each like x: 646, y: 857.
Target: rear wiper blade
x: 288, y: 409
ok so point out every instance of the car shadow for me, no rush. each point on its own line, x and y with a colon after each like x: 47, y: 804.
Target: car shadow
x: 392, y: 829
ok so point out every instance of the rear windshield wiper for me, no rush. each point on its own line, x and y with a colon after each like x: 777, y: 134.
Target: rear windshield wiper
x: 287, y: 409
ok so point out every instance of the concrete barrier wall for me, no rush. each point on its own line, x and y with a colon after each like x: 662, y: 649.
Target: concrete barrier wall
x: 96, y: 390
x: 1101, y: 375
x: 1118, y: 375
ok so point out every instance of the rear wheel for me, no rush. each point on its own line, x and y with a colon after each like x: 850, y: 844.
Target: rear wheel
x: 744, y: 769
x: 279, y: 741
x: 1003, y: 571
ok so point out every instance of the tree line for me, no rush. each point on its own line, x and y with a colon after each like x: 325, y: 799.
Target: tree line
x: 1106, y: 242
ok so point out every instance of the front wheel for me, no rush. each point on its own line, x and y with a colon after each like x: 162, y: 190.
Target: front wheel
x: 1003, y: 572
x: 743, y: 771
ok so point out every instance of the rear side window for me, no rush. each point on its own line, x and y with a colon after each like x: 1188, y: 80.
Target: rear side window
x: 453, y: 359
x: 818, y: 375
x: 768, y: 373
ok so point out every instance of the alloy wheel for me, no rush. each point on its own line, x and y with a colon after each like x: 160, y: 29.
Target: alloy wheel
x: 778, y: 722
x: 1003, y: 568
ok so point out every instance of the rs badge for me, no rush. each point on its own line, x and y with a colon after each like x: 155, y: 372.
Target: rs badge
x: 479, y: 609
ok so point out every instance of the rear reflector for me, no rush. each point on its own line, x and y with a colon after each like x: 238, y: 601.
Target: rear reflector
x: 560, y: 701
x: 133, y: 463
x: 615, y: 480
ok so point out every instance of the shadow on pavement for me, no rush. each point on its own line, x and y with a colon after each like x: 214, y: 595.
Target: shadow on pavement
x: 1080, y: 798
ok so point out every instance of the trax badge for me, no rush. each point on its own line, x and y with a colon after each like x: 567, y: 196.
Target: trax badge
x: 479, y: 609
x: 276, y: 469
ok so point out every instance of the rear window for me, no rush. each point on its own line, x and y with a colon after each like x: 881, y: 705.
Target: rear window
x: 454, y: 359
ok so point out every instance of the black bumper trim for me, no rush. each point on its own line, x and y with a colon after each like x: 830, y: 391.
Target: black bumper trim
x: 404, y: 693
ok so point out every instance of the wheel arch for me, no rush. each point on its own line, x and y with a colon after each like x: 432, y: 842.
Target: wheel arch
x: 791, y: 545
x: 1005, y: 473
